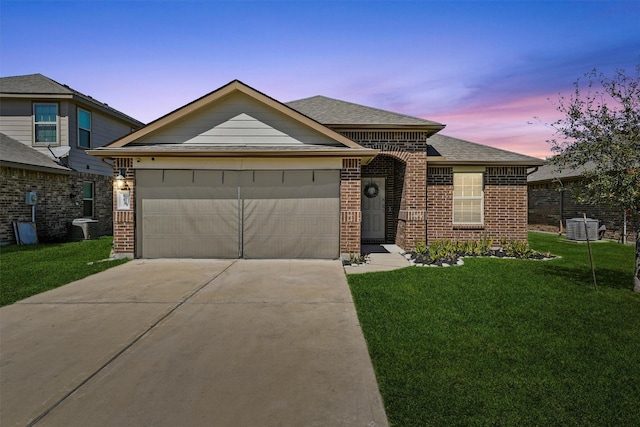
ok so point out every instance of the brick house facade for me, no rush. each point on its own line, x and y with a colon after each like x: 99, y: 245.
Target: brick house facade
x: 60, y: 199
x: 417, y: 166
x: 551, y: 203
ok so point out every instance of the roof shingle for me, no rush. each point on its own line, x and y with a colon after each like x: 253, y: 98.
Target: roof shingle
x: 329, y: 111
x: 15, y: 153
x: 454, y: 150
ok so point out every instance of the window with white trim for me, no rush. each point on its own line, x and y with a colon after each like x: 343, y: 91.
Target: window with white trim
x: 84, y: 128
x: 45, y: 123
x: 468, y: 198
x: 87, y: 199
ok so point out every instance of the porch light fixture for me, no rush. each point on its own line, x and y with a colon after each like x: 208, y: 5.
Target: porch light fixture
x: 120, y: 179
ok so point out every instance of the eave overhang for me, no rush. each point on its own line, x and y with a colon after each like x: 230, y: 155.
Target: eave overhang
x: 365, y: 154
x: 443, y: 161
x: 84, y: 101
x: 430, y: 129
x: 25, y: 166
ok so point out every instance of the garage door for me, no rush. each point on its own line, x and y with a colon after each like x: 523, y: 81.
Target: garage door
x: 230, y: 214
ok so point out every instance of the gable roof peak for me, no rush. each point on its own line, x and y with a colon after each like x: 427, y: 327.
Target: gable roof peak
x: 208, y: 100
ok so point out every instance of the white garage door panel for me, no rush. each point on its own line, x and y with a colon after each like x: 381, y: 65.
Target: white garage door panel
x: 291, y: 228
x: 173, y: 228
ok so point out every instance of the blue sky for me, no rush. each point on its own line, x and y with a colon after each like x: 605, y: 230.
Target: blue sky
x: 485, y: 69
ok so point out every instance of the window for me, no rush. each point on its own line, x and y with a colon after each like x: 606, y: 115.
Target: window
x: 45, y: 120
x: 468, y: 198
x: 84, y: 128
x: 87, y: 199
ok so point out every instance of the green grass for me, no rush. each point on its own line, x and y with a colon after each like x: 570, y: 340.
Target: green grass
x: 30, y: 269
x: 507, y: 342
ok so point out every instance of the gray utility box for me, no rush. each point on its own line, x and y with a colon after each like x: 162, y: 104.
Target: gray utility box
x: 576, y: 231
x: 83, y: 229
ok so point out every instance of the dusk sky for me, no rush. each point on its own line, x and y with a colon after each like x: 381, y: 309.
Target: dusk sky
x: 485, y: 69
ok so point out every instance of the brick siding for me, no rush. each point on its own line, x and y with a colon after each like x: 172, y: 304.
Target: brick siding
x: 505, y: 205
x: 350, y: 206
x: 545, y: 201
x: 124, y: 221
x: 59, y: 202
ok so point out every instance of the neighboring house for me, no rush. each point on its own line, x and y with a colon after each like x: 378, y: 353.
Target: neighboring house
x: 551, y: 202
x: 238, y: 174
x: 56, y: 125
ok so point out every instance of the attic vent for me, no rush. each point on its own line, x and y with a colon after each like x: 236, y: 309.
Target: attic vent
x: 576, y: 231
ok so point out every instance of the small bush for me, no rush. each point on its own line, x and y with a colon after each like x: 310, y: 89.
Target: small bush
x: 448, y: 251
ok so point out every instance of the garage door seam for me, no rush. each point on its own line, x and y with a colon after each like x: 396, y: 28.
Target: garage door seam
x: 127, y: 347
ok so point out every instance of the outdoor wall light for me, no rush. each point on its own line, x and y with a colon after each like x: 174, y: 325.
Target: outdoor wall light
x: 120, y: 180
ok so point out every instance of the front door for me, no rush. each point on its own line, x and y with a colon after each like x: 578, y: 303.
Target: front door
x: 373, y: 208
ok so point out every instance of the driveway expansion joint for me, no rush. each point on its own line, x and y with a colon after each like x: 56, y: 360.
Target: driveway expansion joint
x: 127, y: 347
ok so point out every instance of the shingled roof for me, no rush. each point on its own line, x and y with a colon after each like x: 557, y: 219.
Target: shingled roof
x: 551, y: 172
x: 13, y: 153
x: 458, y: 151
x: 37, y: 84
x: 333, y: 112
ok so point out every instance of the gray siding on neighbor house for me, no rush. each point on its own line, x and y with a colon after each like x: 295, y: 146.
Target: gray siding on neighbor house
x: 104, y: 130
x: 16, y: 120
x: 238, y: 119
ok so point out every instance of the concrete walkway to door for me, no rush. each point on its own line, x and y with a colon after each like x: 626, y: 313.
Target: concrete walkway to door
x: 191, y: 343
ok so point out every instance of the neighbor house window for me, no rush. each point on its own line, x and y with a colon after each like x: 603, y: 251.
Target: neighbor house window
x: 45, y: 121
x: 468, y: 204
x: 87, y: 199
x: 84, y: 128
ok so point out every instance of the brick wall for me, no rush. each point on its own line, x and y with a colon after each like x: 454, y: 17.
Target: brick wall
x: 389, y: 141
x: 505, y: 205
x: 124, y: 220
x: 350, y: 206
x: 59, y: 202
x: 414, y: 204
x: 546, y: 201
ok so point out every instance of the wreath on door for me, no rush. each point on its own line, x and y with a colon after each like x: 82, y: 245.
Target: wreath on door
x: 371, y: 190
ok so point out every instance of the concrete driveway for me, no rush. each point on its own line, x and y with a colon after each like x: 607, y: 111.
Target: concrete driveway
x: 190, y: 343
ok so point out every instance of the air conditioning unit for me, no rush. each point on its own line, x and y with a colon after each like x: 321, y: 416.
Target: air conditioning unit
x: 576, y: 230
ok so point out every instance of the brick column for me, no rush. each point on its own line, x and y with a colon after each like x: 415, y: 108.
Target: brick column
x: 124, y: 220
x: 414, y: 209
x: 350, y: 206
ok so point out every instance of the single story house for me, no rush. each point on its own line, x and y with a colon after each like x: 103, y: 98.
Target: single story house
x: 551, y: 203
x: 237, y: 173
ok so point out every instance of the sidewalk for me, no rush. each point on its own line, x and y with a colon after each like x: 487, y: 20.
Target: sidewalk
x: 381, y: 258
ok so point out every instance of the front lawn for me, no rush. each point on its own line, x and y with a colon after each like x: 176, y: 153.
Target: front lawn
x: 507, y: 342
x: 30, y: 269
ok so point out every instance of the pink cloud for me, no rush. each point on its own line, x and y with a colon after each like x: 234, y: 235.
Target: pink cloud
x: 519, y: 125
